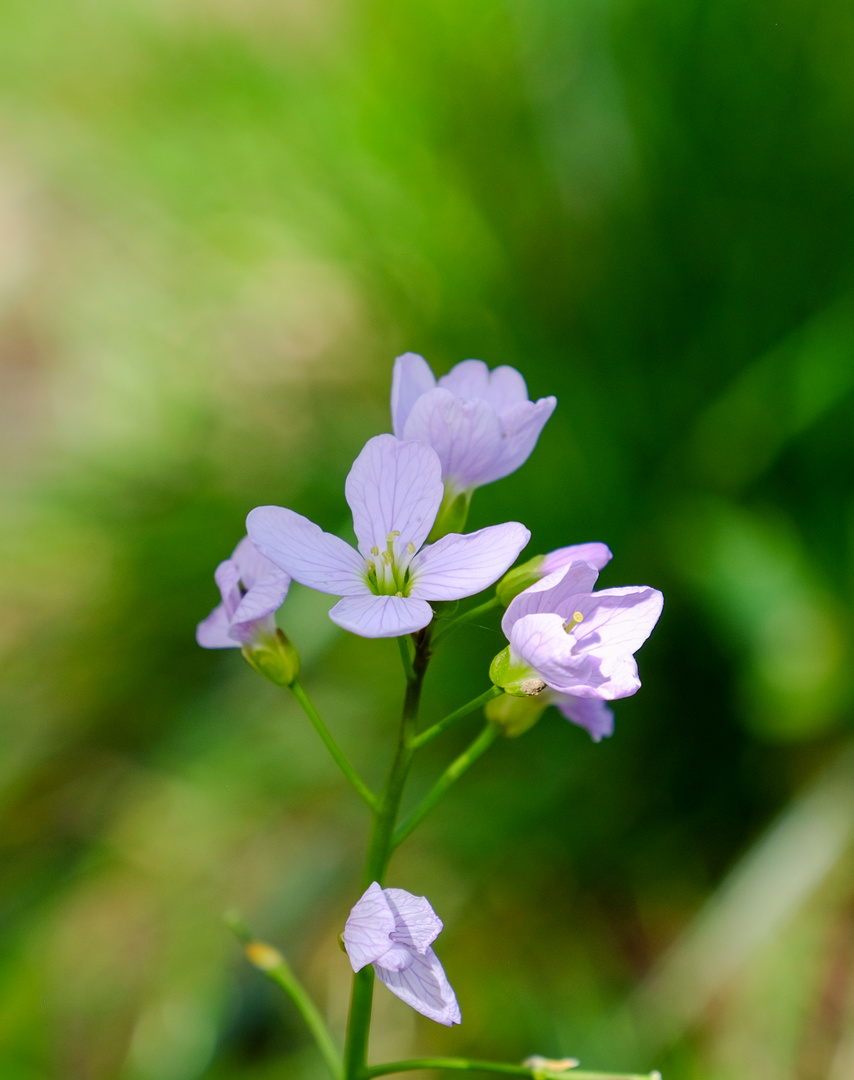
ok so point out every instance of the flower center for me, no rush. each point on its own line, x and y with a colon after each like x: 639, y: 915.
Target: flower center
x: 388, y: 571
x: 572, y: 622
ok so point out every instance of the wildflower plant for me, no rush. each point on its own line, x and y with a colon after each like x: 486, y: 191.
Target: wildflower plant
x: 567, y: 645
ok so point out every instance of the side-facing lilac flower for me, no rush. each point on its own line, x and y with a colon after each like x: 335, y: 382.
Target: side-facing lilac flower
x: 479, y: 422
x: 393, y: 930
x: 394, y: 490
x: 577, y: 643
x: 252, y: 588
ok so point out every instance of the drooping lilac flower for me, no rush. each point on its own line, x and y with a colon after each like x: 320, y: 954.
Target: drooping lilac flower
x: 393, y: 930
x: 394, y: 490
x: 252, y: 588
x: 521, y: 577
x: 579, y: 643
x: 479, y: 422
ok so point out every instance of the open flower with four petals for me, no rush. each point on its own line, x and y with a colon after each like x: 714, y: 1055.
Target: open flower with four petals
x: 394, y: 490
x: 577, y: 643
x: 393, y: 930
x: 480, y: 422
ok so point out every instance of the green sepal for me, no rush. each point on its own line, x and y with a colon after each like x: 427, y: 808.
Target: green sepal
x: 519, y: 578
x: 452, y: 514
x: 513, y: 677
x: 275, y: 658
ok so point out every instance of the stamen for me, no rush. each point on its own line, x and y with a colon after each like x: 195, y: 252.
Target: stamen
x: 387, y: 571
x: 571, y: 624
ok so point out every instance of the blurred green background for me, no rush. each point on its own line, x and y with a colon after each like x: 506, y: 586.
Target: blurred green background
x: 220, y: 220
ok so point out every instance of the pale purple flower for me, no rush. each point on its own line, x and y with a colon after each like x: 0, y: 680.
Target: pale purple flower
x: 393, y: 930
x: 479, y: 422
x: 394, y: 490
x: 577, y: 642
x: 252, y: 588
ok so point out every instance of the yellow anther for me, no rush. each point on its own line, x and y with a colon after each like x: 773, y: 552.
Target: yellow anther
x: 393, y: 535
x: 387, y: 558
x: 375, y: 550
x: 410, y: 547
x: 398, y: 594
x: 571, y: 624
x: 372, y: 566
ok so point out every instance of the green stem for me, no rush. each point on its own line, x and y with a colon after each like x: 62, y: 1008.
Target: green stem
x: 453, y: 772
x: 470, y: 1065
x: 466, y: 617
x: 452, y: 718
x: 380, y: 847
x: 359, y: 1024
x: 403, y: 643
x: 275, y: 967
x: 338, y: 757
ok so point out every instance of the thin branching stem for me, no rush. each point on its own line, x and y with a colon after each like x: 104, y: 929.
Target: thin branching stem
x: 453, y: 772
x: 471, y: 1065
x: 332, y: 746
x: 269, y: 960
x: 466, y: 617
x: 458, y: 714
x: 380, y: 847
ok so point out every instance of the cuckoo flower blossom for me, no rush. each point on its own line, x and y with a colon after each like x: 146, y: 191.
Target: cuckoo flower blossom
x: 576, y: 642
x: 252, y: 588
x: 479, y: 422
x: 394, y: 490
x: 393, y: 930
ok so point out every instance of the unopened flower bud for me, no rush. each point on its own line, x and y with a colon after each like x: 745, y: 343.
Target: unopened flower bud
x: 520, y: 578
x: 529, y: 573
x: 546, y: 1067
x: 274, y: 657
x: 452, y: 515
x: 514, y: 676
x: 515, y: 715
x: 263, y: 956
